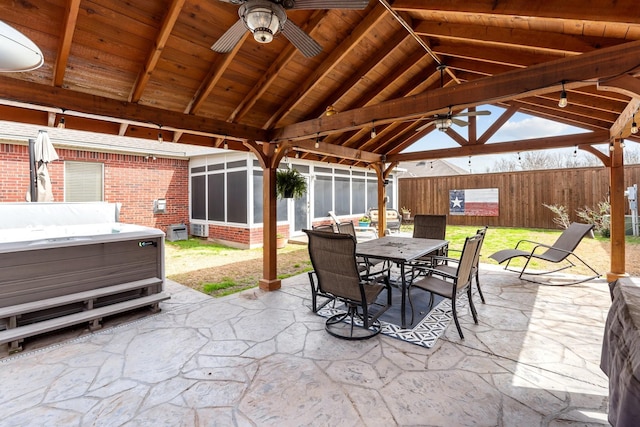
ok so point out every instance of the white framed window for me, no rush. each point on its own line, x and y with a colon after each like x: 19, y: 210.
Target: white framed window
x: 83, y: 182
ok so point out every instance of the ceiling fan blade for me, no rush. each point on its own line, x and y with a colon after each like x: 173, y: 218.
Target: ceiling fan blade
x: 473, y: 113
x: 230, y: 38
x: 331, y: 4
x: 301, y: 40
x: 459, y: 122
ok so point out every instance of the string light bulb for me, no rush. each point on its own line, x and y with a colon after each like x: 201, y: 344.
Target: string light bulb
x: 160, y: 138
x: 373, y: 130
x: 611, y: 147
x: 317, y: 145
x: 563, y: 97
x: 225, y: 144
x: 575, y: 151
x: 61, y: 123
x: 634, y: 126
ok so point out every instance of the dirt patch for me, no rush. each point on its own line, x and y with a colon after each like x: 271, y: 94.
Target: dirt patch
x: 242, y: 267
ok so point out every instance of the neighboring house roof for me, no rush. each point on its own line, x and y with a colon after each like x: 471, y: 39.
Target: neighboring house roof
x: 428, y: 168
x: 90, y: 141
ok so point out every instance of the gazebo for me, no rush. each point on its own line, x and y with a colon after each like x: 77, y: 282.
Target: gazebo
x: 355, y: 86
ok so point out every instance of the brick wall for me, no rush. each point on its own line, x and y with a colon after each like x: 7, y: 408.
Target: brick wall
x: 129, y: 179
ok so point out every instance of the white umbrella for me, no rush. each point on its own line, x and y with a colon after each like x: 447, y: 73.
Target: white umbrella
x: 44, y: 153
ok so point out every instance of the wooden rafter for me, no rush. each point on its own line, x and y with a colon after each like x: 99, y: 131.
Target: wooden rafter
x: 334, y: 58
x: 533, y: 80
x: 598, y: 137
x: 158, y: 46
x: 272, y: 74
x: 68, y: 28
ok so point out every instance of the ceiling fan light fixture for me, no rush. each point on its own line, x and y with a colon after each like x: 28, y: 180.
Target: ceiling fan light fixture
x: 263, y: 18
x: 443, y: 124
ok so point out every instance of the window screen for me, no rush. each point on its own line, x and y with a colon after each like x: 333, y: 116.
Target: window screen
x: 237, y: 196
x: 83, y: 182
x: 198, y: 197
x: 343, y: 196
x: 216, y: 197
x: 323, y: 196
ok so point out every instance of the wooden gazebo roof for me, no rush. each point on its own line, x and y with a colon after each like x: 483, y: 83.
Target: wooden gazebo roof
x: 141, y: 67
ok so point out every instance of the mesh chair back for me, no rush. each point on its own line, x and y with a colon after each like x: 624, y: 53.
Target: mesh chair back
x: 482, y: 233
x: 466, y: 264
x: 429, y: 226
x: 333, y: 257
x: 327, y: 228
x: 347, y: 228
x: 568, y: 241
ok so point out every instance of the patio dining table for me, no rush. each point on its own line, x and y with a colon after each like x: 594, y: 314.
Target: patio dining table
x: 399, y: 250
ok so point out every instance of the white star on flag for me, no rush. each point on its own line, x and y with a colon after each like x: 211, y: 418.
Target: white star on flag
x: 457, y: 203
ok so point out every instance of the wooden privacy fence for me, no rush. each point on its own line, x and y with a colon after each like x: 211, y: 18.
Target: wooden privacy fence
x: 521, y: 194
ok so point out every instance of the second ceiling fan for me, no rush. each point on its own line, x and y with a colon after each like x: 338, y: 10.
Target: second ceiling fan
x: 443, y: 122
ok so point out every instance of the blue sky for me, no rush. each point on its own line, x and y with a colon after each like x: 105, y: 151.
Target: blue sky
x: 519, y: 126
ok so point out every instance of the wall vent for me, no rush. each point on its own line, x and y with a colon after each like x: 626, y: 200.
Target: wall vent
x: 200, y: 230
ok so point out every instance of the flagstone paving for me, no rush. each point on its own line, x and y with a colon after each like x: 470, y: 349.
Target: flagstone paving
x: 264, y: 359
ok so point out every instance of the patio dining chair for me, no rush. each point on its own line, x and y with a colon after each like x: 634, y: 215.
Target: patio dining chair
x: 430, y: 227
x: 448, y: 265
x: 333, y: 257
x: 450, y: 285
x: 560, y: 252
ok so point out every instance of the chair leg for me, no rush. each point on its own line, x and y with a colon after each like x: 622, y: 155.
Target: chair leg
x: 410, y: 304
x: 478, y: 285
x: 473, y: 307
x: 455, y: 316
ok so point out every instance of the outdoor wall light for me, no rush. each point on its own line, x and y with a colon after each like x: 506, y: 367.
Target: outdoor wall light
x: 563, y: 98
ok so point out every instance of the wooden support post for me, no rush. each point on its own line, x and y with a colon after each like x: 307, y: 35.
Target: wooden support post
x: 616, y: 183
x: 269, y: 281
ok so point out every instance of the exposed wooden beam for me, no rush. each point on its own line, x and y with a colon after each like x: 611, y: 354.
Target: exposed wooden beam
x: 42, y: 95
x: 332, y: 150
x: 497, y: 124
x: 537, y: 79
x: 68, y: 28
x: 334, y: 58
x: 572, y: 10
x: 599, y: 137
x: 509, y: 56
x: 158, y: 46
x: 521, y: 38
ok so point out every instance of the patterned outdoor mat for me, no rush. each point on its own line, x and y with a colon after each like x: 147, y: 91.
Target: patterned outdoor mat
x: 425, y: 333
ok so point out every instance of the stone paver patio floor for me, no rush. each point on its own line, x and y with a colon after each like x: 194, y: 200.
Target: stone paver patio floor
x: 264, y: 359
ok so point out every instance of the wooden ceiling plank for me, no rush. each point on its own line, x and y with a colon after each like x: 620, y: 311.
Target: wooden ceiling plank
x: 338, y: 54
x: 334, y: 97
x: 68, y: 28
x: 538, y: 40
x: 537, y: 79
x: 272, y: 73
x: 158, y: 46
x: 213, y: 77
x: 599, y: 137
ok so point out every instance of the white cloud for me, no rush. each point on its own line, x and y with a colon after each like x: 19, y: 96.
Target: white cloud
x: 532, y: 127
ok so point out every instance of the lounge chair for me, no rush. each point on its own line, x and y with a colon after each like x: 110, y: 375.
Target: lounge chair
x: 559, y: 252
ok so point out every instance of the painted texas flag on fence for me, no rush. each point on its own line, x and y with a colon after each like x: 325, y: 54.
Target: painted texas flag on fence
x: 477, y: 202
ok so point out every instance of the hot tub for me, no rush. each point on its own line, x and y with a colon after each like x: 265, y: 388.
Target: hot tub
x: 38, y: 263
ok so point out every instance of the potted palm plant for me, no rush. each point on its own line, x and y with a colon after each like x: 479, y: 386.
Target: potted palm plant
x: 290, y: 184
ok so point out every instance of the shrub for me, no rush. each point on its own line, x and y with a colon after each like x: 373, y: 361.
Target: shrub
x: 599, y: 217
x: 562, y: 216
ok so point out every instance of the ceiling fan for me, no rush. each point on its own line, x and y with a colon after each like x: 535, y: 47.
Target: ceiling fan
x: 444, y: 121
x: 267, y: 18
